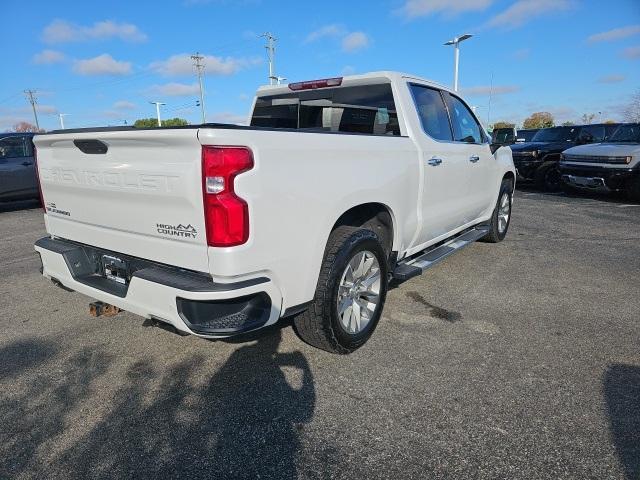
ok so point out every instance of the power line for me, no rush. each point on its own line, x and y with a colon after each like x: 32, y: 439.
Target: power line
x: 197, y: 58
x: 33, y: 100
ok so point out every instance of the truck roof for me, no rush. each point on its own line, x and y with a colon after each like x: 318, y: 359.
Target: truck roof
x: 355, y: 80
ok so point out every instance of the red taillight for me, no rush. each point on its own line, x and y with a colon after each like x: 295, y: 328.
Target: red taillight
x: 35, y: 167
x: 312, y: 84
x: 226, y: 215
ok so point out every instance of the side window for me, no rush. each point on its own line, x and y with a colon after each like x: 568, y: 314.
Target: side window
x: 432, y: 112
x: 15, y: 146
x: 465, y: 126
x: 591, y: 134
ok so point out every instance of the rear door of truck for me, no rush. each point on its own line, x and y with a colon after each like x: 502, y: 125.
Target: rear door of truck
x: 137, y: 192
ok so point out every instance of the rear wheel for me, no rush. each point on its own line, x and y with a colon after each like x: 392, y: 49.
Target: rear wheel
x: 501, y: 217
x: 350, y: 294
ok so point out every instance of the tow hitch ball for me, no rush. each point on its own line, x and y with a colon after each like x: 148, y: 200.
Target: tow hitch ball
x: 97, y: 309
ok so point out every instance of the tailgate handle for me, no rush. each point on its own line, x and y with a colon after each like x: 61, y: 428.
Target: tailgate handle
x: 91, y: 146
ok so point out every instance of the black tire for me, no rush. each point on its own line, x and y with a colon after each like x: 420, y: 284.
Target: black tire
x: 548, y: 177
x: 569, y: 190
x: 633, y: 190
x: 496, y: 234
x: 320, y: 324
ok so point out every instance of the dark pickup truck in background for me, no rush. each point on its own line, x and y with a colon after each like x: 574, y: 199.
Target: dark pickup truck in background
x: 538, y: 159
x: 17, y: 170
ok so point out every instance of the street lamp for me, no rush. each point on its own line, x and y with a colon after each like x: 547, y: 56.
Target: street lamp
x: 157, y: 104
x: 455, y: 42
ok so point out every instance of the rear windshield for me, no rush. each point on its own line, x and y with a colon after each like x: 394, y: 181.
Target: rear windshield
x: 556, y: 134
x: 367, y: 109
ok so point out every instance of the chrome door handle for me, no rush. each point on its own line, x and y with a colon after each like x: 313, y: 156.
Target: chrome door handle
x: 434, y: 162
x: 474, y: 158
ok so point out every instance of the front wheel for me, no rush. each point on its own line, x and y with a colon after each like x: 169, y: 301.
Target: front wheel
x: 548, y: 177
x: 633, y: 190
x: 350, y: 294
x: 501, y: 216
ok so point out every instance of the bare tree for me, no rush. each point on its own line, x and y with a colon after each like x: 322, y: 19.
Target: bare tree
x: 587, y: 118
x: 632, y: 112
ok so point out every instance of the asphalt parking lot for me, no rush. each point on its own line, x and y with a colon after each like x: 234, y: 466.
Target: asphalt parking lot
x: 517, y: 360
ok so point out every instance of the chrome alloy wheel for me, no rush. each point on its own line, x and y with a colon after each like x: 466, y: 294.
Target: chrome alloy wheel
x: 504, y: 211
x: 359, y: 292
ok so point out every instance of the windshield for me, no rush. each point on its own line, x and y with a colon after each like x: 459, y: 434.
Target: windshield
x: 526, y: 135
x: 626, y: 134
x: 503, y: 135
x: 556, y: 134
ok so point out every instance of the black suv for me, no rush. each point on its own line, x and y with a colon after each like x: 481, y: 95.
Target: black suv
x: 538, y: 159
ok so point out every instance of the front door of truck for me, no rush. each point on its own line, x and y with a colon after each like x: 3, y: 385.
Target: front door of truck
x: 471, y: 146
x: 444, y: 200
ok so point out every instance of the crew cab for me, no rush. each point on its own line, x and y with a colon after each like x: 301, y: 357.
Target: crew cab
x: 335, y: 187
x: 538, y: 159
x: 610, y: 167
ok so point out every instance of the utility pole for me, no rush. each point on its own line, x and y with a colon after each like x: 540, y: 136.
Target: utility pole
x: 490, y: 95
x: 157, y: 104
x: 271, y: 54
x: 33, y: 100
x: 456, y: 42
x: 61, y: 117
x: 197, y: 58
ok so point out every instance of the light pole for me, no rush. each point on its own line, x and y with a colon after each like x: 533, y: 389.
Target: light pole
x: 157, y: 104
x: 456, y: 42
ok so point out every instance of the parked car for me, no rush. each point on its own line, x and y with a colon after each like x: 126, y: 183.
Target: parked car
x: 610, y: 166
x: 17, y: 171
x: 538, y: 159
x: 336, y: 186
x: 526, y: 134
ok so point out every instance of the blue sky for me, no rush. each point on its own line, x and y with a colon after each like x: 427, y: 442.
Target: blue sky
x: 103, y: 64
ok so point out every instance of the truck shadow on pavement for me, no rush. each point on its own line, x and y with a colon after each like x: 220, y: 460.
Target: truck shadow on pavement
x: 621, y: 387
x: 244, y: 420
x: 19, y: 205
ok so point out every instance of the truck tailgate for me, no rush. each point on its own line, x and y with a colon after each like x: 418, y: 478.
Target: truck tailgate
x: 142, y: 196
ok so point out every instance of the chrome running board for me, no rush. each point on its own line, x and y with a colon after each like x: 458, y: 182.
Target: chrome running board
x: 418, y: 263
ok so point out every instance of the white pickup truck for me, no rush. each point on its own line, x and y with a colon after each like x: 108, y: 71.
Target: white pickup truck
x: 335, y: 187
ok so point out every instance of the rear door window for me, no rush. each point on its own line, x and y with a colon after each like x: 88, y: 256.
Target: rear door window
x: 432, y: 112
x: 368, y: 109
